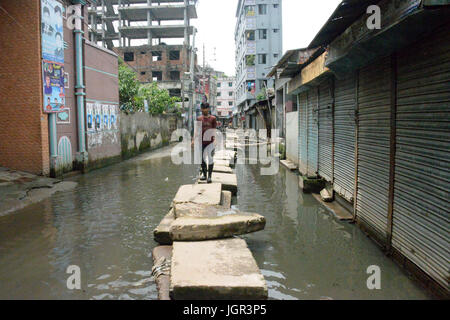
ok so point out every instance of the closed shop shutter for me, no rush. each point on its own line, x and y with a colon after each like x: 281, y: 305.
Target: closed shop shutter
x: 313, y: 134
x: 325, y: 131
x: 374, y: 103
x: 420, y: 229
x: 302, y: 133
x: 344, y: 137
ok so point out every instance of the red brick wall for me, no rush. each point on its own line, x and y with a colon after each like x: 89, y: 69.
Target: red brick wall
x: 23, y: 127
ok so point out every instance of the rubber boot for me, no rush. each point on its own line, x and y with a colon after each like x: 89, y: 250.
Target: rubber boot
x: 203, y: 176
x: 210, y: 171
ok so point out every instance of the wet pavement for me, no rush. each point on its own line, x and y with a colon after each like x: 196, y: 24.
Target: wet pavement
x: 105, y: 226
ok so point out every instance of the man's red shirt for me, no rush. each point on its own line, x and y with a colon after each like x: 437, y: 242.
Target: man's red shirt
x: 208, y: 122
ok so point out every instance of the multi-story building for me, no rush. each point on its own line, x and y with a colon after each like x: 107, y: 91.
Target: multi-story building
x: 258, y: 38
x: 140, y: 30
x: 225, y: 97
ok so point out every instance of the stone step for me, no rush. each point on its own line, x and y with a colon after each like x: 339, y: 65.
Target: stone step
x: 161, y: 234
x: 226, y: 199
x: 209, y: 194
x: 288, y: 164
x: 222, y: 163
x: 228, y: 181
x: 222, y: 169
x: 215, y: 270
x: 162, y: 257
x: 225, y: 224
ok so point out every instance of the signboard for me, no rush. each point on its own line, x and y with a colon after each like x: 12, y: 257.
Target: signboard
x: 52, y: 31
x: 52, y: 35
x: 54, y: 92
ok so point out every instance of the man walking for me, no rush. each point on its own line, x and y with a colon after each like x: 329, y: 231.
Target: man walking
x: 209, y: 122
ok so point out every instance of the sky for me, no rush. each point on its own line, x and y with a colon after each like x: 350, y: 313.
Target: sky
x: 302, y: 19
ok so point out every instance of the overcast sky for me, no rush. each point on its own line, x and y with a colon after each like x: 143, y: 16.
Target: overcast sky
x: 302, y: 19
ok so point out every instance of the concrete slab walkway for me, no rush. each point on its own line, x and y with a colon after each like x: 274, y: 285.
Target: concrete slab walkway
x: 215, y: 270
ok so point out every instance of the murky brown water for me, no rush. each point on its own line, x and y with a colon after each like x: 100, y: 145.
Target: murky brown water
x: 105, y: 227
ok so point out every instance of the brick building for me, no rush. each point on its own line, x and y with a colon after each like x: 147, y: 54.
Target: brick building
x: 152, y: 37
x: 52, y: 143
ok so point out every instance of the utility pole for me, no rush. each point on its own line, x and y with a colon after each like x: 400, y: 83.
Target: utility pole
x: 204, y: 74
x: 192, y: 75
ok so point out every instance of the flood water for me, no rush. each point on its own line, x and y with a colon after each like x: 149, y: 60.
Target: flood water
x: 105, y: 226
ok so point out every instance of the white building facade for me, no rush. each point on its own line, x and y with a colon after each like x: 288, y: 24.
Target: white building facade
x: 225, y: 97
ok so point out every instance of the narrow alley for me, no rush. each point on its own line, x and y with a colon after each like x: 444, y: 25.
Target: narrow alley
x: 105, y: 226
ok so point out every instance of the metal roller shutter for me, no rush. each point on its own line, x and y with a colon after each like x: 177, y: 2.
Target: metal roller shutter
x: 420, y: 229
x: 374, y: 130
x: 313, y: 134
x: 326, y: 131
x: 344, y: 137
x: 303, y: 133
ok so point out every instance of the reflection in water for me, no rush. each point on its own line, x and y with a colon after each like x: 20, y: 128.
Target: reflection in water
x: 305, y: 253
x: 106, y: 228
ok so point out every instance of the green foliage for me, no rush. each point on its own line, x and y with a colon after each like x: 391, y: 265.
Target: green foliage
x: 132, y: 94
x: 159, y: 100
x: 261, y: 95
x: 250, y: 60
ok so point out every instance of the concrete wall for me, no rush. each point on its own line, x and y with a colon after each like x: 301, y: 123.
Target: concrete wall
x: 142, y: 132
x: 23, y: 126
x: 102, y: 97
x: 292, y: 136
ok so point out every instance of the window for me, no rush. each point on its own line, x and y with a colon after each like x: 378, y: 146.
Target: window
x: 275, y: 55
x: 219, y: 94
x: 250, y: 35
x: 218, y: 85
x: 174, y: 75
x: 156, y: 56
x: 230, y: 84
x: 230, y: 93
x: 249, y: 11
x: 262, y: 8
x: 142, y: 73
x: 262, y: 34
x: 174, y: 55
x: 275, y: 30
x: 230, y: 103
x: 262, y: 58
x: 157, y: 76
x: 262, y: 84
x: 219, y: 103
x: 128, y: 56
x: 275, y: 6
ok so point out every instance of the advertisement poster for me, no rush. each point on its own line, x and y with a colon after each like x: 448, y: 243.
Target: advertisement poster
x: 54, y: 92
x: 52, y: 31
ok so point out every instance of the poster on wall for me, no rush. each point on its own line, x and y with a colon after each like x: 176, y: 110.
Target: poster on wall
x: 54, y: 92
x: 90, y: 117
x: 105, y: 116
x: 98, y: 117
x: 52, y: 36
x: 52, y: 31
x: 113, y: 117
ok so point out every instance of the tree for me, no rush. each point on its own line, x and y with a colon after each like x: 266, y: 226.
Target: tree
x: 132, y: 94
x: 128, y: 89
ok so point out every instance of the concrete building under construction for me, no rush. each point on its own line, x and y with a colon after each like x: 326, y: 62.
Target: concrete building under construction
x: 139, y: 31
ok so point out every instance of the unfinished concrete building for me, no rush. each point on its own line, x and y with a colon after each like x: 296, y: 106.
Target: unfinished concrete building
x: 142, y: 32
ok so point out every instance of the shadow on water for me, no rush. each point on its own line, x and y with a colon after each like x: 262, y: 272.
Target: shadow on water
x: 106, y: 228
x: 305, y: 252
